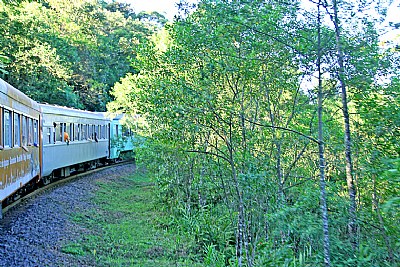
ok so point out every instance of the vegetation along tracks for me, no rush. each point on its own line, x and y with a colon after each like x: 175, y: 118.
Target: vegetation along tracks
x: 107, y: 218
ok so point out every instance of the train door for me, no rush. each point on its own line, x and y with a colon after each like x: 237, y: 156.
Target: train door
x: 108, y: 131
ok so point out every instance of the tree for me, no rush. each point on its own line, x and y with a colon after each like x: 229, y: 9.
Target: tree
x: 3, y: 61
x: 321, y: 148
x: 220, y: 89
x: 234, y: 133
x: 89, y: 49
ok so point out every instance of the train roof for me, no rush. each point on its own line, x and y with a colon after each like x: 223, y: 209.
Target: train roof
x: 60, y: 110
x: 12, y: 97
x: 113, y: 116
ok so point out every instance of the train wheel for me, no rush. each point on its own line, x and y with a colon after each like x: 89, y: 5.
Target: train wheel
x: 47, y: 179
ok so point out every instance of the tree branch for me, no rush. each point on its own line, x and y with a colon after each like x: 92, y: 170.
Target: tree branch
x: 285, y: 129
x: 209, y: 153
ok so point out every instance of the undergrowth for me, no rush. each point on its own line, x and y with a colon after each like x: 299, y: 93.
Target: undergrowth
x: 125, y: 228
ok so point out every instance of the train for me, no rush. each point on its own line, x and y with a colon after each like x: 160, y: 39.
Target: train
x: 40, y: 142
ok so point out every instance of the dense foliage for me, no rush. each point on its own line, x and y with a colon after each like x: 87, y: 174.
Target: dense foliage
x: 272, y: 128
x: 240, y: 149
x: 70, y: 52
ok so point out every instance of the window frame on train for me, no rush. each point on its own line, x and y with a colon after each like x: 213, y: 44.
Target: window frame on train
x: 35, y: 132
x: 30, y: 132
x: 7, y: 129
x: 17, y: 129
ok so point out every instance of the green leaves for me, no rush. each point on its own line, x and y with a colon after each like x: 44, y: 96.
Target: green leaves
x: 3, y: 63
x: 227, y: 119
x: 69, y: 53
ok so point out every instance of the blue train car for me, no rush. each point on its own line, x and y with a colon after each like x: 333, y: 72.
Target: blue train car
x: 121, y: 138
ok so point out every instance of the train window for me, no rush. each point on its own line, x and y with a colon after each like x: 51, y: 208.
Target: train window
x: 84, y: 129
x: 67, y: 132
x: 48, y: 137
x: 116, y: 130
x: 57, y: 132
x: 53, y: 131
x: 76, y: 132
x: 71, y: 131
x: 60, y: 132
x: 97, y: 131
x: 7, y: 128
x: 35, y: 132
x: 90, y: 132
x: 63, y: 132
x: 126, y: 131
x: 30, y: 132
x: 24, y: 131
x: 17, y: 128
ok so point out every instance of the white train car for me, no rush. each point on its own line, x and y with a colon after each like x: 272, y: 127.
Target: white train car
x: 72, y: 140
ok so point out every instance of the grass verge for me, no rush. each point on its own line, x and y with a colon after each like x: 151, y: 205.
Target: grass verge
x: 123, y: 229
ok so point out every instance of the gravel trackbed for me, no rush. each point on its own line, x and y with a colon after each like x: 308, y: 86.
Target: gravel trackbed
x: 34, y: 232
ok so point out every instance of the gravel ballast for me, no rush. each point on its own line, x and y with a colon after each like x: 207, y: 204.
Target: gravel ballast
x: 34, y: 232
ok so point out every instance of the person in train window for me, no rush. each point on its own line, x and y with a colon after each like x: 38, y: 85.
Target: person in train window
x: 54, y: 132
x: 95, y: 137
x: 66, y: 137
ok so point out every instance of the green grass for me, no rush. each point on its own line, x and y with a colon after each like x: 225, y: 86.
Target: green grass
x: 124, y: 229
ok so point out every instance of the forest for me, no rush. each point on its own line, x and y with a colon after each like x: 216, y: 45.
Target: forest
x: 270, y: 127
x: 70, y: 53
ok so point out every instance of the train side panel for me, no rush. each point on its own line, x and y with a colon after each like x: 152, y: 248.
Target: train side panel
x: 19, y: 140
x: 58, y: 156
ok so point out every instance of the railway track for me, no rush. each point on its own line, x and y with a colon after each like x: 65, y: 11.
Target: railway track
x: 58, y: 182
x: 40, y: 230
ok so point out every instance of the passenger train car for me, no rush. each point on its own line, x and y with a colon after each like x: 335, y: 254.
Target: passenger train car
x: 122, y: 140
x: 20, y: 157
x: 40, y: 141
x: 73, y: 140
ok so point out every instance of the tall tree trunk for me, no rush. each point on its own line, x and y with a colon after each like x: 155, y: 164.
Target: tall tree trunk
x: 240, y: 238
x: 279, y: 174
x: 352, y: 226
x: 240, y: 234
x: 324, y: 209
